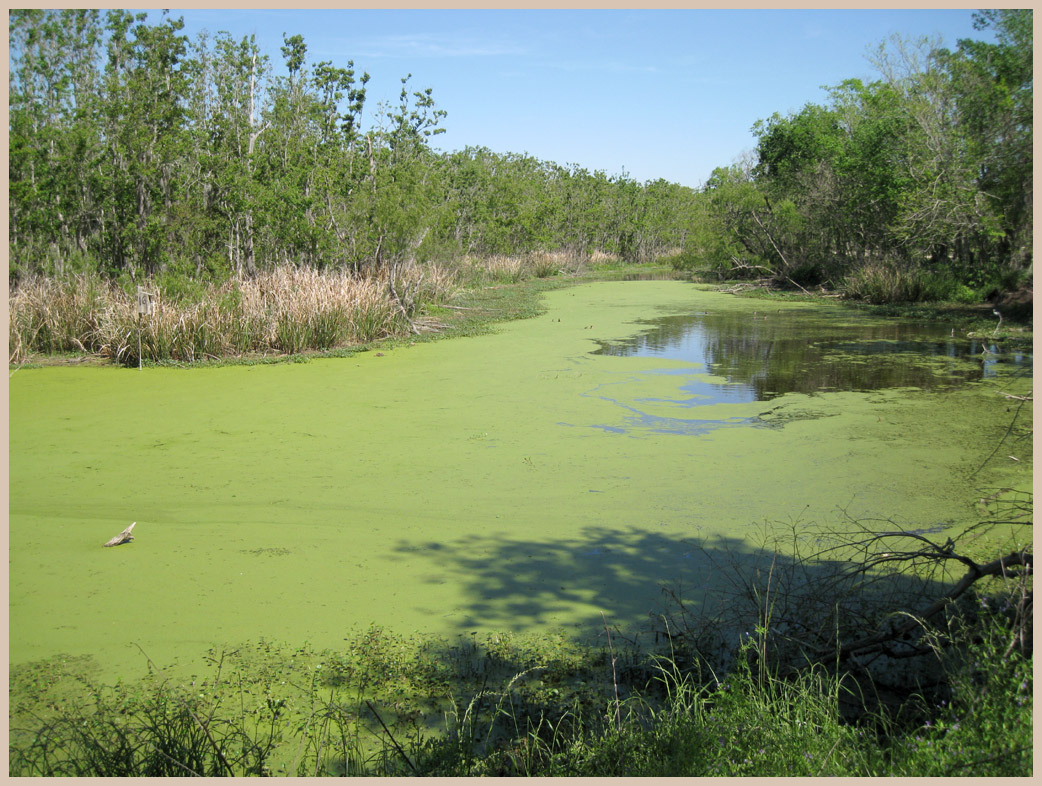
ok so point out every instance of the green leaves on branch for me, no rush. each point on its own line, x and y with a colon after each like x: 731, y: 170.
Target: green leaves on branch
x: 926, y: 169
x: 136, y: 152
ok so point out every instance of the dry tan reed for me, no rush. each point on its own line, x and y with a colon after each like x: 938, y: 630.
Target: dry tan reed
x: 600, y: 257
x: 497, y: 269
x: 50, y: 316
x: 500, y: 269
x: 288, y: 310
x: 552, y: 263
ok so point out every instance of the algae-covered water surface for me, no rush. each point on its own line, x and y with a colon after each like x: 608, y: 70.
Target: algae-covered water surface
x: 528, y: 479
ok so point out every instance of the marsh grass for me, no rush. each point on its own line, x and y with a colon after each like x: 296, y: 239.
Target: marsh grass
x: 54, y: 316
x: 286, y: 311
x: 884, y: 282
x: 292, y: 311
x: 475, y: 271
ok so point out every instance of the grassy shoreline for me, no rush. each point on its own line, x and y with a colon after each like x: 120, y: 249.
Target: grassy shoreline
x: 289, y: 314
x: 299, y: 315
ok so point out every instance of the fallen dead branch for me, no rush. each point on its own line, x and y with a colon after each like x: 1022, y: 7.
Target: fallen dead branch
x: 878, y: 641
x: 124, y: 537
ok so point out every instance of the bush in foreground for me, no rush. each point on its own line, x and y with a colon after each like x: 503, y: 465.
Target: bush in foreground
x: 387, y: 705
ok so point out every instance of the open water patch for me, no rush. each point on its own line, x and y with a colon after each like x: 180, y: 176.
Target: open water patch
x: 741, y: 355
x: 702, y: 396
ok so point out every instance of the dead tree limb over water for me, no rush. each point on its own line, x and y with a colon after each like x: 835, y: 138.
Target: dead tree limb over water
x: 124, y: 537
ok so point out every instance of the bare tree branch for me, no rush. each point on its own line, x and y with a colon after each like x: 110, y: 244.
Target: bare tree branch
x: 998, y: 567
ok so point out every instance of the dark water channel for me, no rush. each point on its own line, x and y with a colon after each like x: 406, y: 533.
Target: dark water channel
x: 768, y: 353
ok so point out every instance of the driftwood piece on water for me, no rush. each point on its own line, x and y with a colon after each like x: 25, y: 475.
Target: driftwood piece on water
x: 123, y: 537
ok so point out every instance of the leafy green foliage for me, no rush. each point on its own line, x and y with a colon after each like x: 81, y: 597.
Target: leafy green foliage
x: 904, y: 186
x: 137, y: 152
x: 537, y: 705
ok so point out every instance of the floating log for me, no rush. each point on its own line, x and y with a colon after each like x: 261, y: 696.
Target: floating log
x: 123, y: 537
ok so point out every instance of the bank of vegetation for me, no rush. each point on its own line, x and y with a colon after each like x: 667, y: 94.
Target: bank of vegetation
x: 915, y: 662
x: 284, y: 312
x: 137, y: 152
x: 139, y: 158
x: 266, y: 216
x: 914, y: 186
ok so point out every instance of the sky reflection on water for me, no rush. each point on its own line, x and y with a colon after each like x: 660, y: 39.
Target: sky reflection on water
x: 762, y: 355
x: 753, y: 356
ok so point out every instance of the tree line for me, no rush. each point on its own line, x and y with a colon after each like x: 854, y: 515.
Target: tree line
x: 923, y: 175
x: 134, y: 150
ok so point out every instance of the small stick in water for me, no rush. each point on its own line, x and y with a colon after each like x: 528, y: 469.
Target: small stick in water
x: 123, y: 537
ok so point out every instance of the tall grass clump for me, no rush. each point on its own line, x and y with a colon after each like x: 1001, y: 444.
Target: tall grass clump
x: 288, y: 310
x: 551, y: 263
x: 181, y: 332
x: 669, y: 722
x: 881, y: 283
x: 498, y: 269
x: 478, y: 271
x: 50, y: 315
x: 751, y: 722
x: 299, y: 309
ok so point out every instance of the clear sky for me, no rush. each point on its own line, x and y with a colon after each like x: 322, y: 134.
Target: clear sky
x: 666, y: 94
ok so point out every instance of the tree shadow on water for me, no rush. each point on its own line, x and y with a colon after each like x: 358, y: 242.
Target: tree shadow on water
x: 531, y: 583
x: 654, y: 584
x: 790, y: 595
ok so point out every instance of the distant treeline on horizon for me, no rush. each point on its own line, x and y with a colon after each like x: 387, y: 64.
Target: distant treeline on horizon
x: 136, y: 151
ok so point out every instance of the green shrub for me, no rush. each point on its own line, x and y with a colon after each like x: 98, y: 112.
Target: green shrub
x: 985, y: 728
x: 166, y: 732
x: 687, y: 259
x: 533, y: 705
x: 807, y: 274
x: 886, y: 283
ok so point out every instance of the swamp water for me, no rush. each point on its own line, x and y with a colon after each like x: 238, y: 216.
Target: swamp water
x: 527, y: 480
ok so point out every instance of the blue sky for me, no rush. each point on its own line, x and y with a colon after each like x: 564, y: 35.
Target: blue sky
x: 666, y: 94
